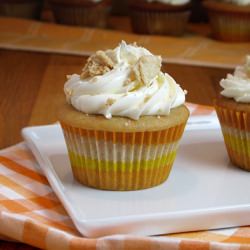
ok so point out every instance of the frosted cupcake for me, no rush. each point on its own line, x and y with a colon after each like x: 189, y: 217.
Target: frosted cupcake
x: 233, y: 110
x: 91, y: 13
x: 229, y: 19
x: 167, y: 17
x: 123, y: 120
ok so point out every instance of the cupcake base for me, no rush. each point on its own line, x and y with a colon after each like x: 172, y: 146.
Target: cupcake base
x: 166, y: 23
x: 159, y: 18
x: 235, y: 125
x: 110, y: 155
x: 229, y: 22
x: 30, y: 9
x: 81, y: 13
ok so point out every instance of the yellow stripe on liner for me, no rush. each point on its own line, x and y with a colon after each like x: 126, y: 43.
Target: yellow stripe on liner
x: 83, y: 162
x: 237, y: 143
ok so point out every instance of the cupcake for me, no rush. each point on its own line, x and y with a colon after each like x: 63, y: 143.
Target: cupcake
x: 233, y: 110
x: 166, y: 17
x: 229, y: 19
x: 123, y: 120
x: 91, y: 13
x: 30, y: 9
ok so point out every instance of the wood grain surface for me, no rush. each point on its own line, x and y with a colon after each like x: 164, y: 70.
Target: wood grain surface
x: 31, y: 91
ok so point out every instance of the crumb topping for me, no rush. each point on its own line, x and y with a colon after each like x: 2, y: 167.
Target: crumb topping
x: 97, y: 64
x: 147, y: 68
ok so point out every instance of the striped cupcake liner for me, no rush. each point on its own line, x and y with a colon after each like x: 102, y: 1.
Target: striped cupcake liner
x: 121, y: 160
x: 236, y: 132
x: 229, y: 26
x: 162, y: 22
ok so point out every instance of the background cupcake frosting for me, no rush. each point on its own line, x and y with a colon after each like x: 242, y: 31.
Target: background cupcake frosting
x: 173, y: 2
x: 238, y: 2
x: 126, y: 81
x: 237, y: 85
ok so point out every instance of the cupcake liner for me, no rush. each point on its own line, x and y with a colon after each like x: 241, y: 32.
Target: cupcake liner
x: 121, y: 160
x: 25, y: 9
x: 95, y: 16
x: 229, y: 26
x: 236, y: 132
x: 162, y: 22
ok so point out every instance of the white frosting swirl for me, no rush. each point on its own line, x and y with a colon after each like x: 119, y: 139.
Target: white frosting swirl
x: 173, y: 2
x: 118, y: 92
x: 237, y: 85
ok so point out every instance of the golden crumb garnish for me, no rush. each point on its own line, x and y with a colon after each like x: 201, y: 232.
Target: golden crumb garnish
x: 97, y: 64
x: 147, y: 68
x: 68, y: 92
x: 146, y: 98
x: 110, y: 102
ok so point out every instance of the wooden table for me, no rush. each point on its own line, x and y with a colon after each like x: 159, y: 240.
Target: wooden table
x: 31, y: 91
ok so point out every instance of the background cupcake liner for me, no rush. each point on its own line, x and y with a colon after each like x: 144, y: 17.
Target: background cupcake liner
x: 26, y: 9
x: 162, y: 22
x: 234, y: 27
x: 236, y: 132
x: 94, y: 16
x: 121, y: 161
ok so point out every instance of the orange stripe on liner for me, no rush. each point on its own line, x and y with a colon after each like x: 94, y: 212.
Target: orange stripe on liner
x: 169, y: 135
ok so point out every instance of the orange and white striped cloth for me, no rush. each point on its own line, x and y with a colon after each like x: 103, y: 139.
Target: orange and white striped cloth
x: 31, y: 213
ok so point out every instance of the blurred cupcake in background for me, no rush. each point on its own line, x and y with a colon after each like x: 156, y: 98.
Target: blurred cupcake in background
x: 166, y: 17
x: 120, y: 7
x: 92, y: 13
x: 198, y: 12
x: 229, y: 19
x: 233, y: 110
x: 30, y: 9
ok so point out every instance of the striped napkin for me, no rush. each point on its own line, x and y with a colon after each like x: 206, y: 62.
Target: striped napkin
x: 31, y: 213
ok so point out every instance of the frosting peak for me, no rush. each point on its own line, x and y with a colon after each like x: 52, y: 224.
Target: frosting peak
x: 126, y: 81
x: 237, y: 85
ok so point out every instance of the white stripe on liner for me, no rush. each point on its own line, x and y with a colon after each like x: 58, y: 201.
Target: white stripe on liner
x: 108, y: 151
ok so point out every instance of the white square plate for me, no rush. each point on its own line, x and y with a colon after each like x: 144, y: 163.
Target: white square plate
x: 204, y: 191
